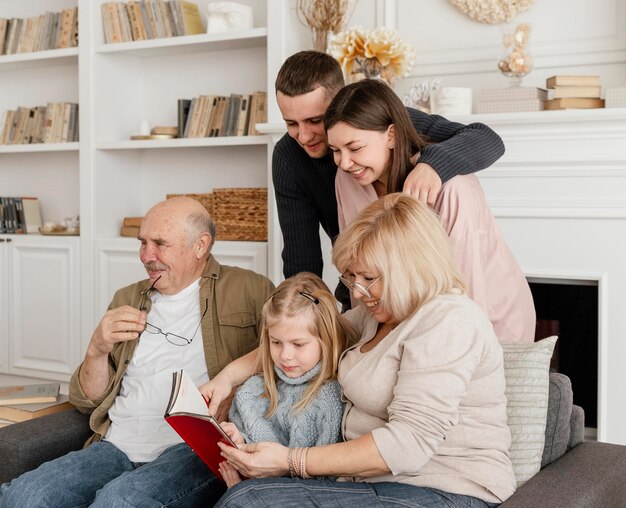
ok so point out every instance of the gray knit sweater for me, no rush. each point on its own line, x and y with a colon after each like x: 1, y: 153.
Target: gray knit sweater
x: 317, y: 424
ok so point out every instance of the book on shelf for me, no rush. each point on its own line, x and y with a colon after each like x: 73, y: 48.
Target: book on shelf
x: 22, y: 413
x: 189, y: 15
x: 572, y: 80
x: 29, y: 394
x: 574, y: 103
x: 244, y: 115
x: 129, y: 231
x: 483, y: 107
x: 513, y: 93
x: 188, y: 414
x: 132, y: 221
x: 565, y: 91
x: 4, y: 24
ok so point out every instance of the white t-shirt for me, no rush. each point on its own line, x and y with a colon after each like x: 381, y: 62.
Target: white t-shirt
x: 137, y: 424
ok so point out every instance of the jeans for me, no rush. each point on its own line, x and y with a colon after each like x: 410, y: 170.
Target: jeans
x: 297, y: 493
x: 102, y: 476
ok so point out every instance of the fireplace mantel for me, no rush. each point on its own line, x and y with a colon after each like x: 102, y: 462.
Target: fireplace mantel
x: 559, y: 195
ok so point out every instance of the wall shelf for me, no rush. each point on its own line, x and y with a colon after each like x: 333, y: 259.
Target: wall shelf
x: 64, y: 56
x: 40, y: 147
x: 182, y: 143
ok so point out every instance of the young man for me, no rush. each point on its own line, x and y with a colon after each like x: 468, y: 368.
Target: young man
x: 192, y: 314
x: 303, y: 170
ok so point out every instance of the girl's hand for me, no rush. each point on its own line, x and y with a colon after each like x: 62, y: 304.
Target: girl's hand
x: 258, y: 460
x: 233, y: 433
x: 230, y: 474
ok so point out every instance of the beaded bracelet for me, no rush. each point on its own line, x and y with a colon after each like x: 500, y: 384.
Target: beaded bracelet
x: 303, y: 472
x: 292, y: 471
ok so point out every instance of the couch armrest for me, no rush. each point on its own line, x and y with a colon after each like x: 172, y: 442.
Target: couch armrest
x: 591, y: 475
x: 26, y: 445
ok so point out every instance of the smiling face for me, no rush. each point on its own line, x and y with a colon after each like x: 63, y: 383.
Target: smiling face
x: 165, y: 249
x: 303, y: 115
x: 358, y: 272
x: 361, y: 153
x: 293, y: 348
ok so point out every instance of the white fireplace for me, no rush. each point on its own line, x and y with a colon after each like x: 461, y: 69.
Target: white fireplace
x: 559, y: 195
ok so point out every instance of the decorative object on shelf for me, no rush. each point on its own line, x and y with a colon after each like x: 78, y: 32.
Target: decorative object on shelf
x: 141, y: 137
x: 170, y: 130
x: 615, y: 97
x: 323, y: 17
x: 516, y: 60
x: 511, y: 99
x: 574, y: 92
x: 378, y: 54
x: 67, y: 226
x: 419, y: 95
x: 451, y: 101
x: 240, y: 214
x: 492, y: 11
x: 144, y: 128
x: 226, y: 16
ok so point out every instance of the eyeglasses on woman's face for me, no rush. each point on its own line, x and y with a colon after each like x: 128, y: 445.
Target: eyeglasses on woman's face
x: 349, y: 280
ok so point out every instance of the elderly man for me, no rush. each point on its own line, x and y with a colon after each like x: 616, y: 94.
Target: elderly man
x: 192, y: 314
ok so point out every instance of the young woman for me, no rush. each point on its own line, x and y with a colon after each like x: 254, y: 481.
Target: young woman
x: 425, y: 421
x: 375, y: 147
x: 296, y: 401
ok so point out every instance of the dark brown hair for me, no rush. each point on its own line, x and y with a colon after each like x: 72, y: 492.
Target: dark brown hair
x: 372, y: 105
x: 305, y: 71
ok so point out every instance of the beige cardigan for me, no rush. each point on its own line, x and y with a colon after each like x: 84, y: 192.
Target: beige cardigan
x: 432, y: 395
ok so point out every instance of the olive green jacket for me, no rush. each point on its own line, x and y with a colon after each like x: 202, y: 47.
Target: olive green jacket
x: 230, y: 329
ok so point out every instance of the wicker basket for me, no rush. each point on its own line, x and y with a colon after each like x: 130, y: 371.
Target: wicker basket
x: 206, y: 200
x: 241, y: 214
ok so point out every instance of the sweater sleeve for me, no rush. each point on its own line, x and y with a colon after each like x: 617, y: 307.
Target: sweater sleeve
x: 435, y: 370
x: 298, y: 217
x: 319, y: 423
x: 457, y: 149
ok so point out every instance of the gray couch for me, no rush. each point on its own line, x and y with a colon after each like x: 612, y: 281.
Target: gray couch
x: 574, y: 474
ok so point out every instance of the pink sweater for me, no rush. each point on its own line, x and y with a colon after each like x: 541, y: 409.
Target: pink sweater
x: 432, y: 395
x: 494, y: 279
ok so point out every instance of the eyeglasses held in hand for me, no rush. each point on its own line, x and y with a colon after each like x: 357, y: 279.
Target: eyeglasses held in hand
x: 172, y: 338
x: 357, y: 286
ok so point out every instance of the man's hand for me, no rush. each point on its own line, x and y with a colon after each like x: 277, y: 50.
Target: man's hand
x: 219, y: 393
x: 423, y: 183
x: 117, y: 325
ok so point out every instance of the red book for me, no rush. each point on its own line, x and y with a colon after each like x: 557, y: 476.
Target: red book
x: 188, y: 415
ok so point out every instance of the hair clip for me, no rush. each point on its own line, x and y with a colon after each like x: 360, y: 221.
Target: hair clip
x: 309, y: 296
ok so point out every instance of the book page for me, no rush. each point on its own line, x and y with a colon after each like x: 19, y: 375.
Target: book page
x: 189, y: 399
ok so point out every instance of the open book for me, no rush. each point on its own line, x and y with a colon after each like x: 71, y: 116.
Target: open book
x: 188, y: 415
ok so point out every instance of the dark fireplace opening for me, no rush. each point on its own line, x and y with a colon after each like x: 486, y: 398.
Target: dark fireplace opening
x: 570, y: 310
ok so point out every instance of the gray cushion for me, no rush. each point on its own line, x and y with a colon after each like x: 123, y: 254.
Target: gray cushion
x: 558, y: 420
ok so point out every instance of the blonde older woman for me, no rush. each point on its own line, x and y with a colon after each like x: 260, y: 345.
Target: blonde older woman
x: 425, y: 421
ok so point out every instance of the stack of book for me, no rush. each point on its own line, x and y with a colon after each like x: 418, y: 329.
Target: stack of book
x: 217, y: 115
x: 51, y: 30
x: 149, y: 19
x: 25, y: 402
x: 57, y: 122
x: 574, y: 92
x: 512, y: 99
x: 19, y: 215
x: 130, y: 226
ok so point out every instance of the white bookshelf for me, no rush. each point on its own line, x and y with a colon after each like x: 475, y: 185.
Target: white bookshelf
x: 106, y: 176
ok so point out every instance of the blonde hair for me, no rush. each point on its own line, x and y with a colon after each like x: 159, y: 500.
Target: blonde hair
x: 402, y: 240
x: 305, y: 293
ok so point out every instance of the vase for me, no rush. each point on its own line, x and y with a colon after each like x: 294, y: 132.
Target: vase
x: 368, y: 68
x: 516, y: 60
x: 320, y: 40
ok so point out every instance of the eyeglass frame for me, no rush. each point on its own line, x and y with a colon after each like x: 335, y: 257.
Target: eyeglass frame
x: 144, y: 295
x: 364, y: 290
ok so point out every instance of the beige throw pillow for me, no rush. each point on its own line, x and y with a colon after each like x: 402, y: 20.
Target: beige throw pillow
x: 526, y: 369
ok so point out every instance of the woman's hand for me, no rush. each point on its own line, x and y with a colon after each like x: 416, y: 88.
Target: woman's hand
x: 233, y: 433
x: 258, y: 460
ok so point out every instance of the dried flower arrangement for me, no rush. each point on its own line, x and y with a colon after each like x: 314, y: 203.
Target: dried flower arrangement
x: 516, y: 61
x: 492, y: 11
x: 323, y: 17
x: 372, y: 53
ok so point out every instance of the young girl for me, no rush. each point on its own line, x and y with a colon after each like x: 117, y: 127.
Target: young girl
x: 375, y: 147
x: 296, y: 401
